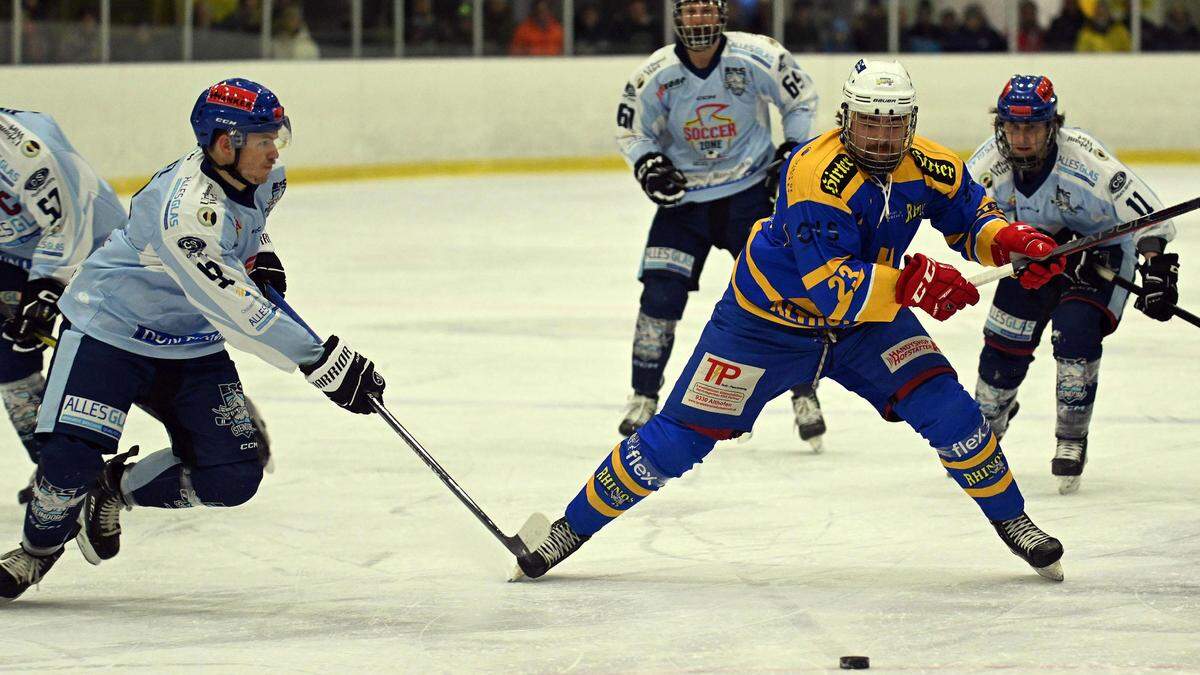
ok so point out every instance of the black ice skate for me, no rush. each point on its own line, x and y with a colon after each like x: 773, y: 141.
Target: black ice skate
x: 1069, y: 458
x: 1029, y: 543
x: 809, y: 420
x: 99, y: 537
x: 638, y: 411
x: 560, y: 543
x: 20, y: 569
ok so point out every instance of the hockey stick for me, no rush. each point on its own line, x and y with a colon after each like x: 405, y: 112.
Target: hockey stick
x: 8, y: 313
x: 1128, y: 285
x: 1083, y: 243
x: 535, y: 529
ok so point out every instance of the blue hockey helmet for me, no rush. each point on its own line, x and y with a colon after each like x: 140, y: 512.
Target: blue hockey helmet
x: 1027, y: 100
x: 239, y: 107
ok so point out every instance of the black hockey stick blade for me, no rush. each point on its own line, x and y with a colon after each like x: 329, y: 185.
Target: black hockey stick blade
x: 1090, y: 241
x: 1128, y: 285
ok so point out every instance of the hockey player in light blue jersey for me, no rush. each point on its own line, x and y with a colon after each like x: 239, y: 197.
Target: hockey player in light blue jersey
x: 1066, y: 183
x: 56, y: 211
x: 149, y: 314
x: 693, y: 124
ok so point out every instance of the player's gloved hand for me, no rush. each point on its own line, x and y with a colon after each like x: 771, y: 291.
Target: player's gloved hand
x: 345, y: 376
x: 1160, y: 278
x: 1025, y: 240
x: 781, y: 154
x: 935, y: 287
x: 268, y: 271
x: 36, y: 313
x: 661, y: 181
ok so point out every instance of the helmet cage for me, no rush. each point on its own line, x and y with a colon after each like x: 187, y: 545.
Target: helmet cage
x: 1035, y: 160
x: 700, y: 37
x: 865, y: 139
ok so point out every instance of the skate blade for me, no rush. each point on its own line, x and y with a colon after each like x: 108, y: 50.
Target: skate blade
x: 535, y: 531
x: 1069, y: 484
x: 817, y: 443
x: 81, y: 540
x: 1053, y: 572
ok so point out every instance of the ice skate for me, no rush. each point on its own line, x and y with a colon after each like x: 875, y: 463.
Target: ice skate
x: 99, y: 536
x: 20, y: 569
x: 1069, y: 458
x: 1032, y: 545
x: 638, y: 410
x: 809, y: 420
x: 560, y: 543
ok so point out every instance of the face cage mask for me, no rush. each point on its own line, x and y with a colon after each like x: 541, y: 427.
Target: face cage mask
x: 1032, y: 162
x: 701, y: 37
x: 877, y: 163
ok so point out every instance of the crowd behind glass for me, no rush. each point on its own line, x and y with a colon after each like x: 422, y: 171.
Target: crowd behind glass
x: 88, y: 31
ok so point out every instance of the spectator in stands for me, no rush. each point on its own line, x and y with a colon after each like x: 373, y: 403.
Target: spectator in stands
x: 1064, y: 29
x: 922, y: 35
x: 81, y: 44
x: 951, y: 32
x: 801, y: 32
x: 1030, y: 37
x: 422, y: 29
x: 291, y: 39
x: 870, y: 28
x: 838, y: 36
x: 247, y: 18
x: 1178, y: 32
x: 637, y: 32
x: 540, y: 34
x: 1101, y: 33
x: 977, y: 33
x: 591, y: 35
x: 498, y: 26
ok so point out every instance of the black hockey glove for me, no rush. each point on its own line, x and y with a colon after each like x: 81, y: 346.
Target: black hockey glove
x: 781, y: 155
x: 661, y: 181
x: 268, y: 271
x: 35, y: 315
x: 345, y: 376
x: 1160, y: 278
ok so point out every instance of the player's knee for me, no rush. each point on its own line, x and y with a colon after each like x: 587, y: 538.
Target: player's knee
x: 940, y: 410
x: 227, y: 484
x: 664, y: 296
x: 67, y: 461
x: 1001, y: 367
x: 672, y: 447
x: 1079, y: 329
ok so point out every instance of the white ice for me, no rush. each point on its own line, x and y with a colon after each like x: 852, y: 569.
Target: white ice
x: 501, y: 310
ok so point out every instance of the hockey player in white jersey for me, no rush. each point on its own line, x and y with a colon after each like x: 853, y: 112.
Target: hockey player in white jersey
x: 693, y: 124
x: 1064, y: 182
x: 56, y: 211
x: 149, y: 314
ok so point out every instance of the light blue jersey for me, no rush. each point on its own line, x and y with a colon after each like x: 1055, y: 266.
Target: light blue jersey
x: 173, y: 283
x: 714, y: 125
x: 54, y: 209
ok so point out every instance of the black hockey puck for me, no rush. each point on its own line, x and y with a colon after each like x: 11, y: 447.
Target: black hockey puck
x: 855, y: 663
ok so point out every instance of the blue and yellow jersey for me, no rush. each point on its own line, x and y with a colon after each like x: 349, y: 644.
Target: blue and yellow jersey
x: 829, y: 255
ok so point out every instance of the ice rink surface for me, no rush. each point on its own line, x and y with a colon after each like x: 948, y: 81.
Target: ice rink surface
x: 501, y: 311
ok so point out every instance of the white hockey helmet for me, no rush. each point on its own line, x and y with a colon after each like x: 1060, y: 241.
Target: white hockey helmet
x: 878, y: 114
x: 700, y: 35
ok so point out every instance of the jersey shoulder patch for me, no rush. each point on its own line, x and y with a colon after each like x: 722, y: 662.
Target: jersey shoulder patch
x: 941, y: 167
x: 651, y: 67
x: 822, y: 171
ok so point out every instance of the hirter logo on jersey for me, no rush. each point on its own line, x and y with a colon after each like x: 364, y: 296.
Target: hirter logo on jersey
x: 709, y: 131
x: 721, y: 386
x: 232, y: 97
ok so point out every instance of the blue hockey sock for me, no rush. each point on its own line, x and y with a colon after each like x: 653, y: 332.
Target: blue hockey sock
x: 68, y: 467
x: 978, y: 464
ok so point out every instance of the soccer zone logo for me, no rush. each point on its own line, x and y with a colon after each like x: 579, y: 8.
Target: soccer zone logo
x: 233, y: 412
x: 709, y: 132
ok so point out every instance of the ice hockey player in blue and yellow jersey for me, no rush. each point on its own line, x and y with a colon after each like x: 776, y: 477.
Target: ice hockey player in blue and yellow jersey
x: 148, y: 316
x: 817, y: 293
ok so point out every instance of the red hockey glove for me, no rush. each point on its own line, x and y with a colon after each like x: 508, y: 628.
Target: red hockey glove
x: 1024, y: 239
x: 937, y: 288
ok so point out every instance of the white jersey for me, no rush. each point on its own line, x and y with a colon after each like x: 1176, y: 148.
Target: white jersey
x: 54, y: 209
x: 1087, y: 190
x: 714, y: 124
x: 173, y: 283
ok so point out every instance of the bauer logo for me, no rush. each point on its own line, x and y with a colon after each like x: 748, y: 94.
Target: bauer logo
x: 903, y: 352
x: 232, y: 97
x: 721, y: 386
x: 837, y: 176
x: 98, y: 417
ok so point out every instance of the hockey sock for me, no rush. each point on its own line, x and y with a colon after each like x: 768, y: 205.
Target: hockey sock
x: 159, y: 480
x: 1076, y: 394
x: 69, y: 467
x: 652, y: 342
x: 21, y: 400
x: 634, y: 470
x: 994, y: 403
